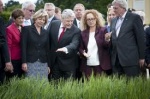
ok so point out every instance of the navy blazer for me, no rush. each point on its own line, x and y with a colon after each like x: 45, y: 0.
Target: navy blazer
x: 34, y: 45
x: 147, y: 52
x: 129, y: 45
x: 103, y: 48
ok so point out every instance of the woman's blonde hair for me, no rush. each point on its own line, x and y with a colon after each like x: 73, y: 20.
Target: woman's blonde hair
x: 40, y: 13
x: 98, y: 16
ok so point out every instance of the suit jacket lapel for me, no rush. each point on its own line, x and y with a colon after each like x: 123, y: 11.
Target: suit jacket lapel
x: 113, y: 28
x: 124, y: 24
x: 56, y: 31
x: 16, y: 30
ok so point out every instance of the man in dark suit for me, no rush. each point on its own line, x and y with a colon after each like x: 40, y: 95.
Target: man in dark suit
x: 79, y: 10
x: 127, y: 39
x: 4, y: 55
x: 50, y: 9
x: 64, y: 43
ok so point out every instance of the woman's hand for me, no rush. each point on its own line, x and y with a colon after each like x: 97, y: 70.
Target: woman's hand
x: 86, y: 54
x: 108, y: 36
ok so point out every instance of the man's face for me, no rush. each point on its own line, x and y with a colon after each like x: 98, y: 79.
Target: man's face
x: 79, y: 11
x: 68, y: 22
x: 119, y: 11
x: 29, y: 11
x: 1, y: 6
x: 50, y: 11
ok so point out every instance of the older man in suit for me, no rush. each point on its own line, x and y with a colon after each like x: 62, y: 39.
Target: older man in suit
x: 79, y: 10
x: 50, y: 9
x: 64, y: 43
x: 127, y: 39
x: 4, y: 55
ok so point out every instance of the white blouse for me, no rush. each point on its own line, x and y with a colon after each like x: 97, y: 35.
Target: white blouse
x: 93, y: 60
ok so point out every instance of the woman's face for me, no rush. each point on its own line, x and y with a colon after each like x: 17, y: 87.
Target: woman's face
x: 111, y: 15
x: 91, y: 20
x: 19, y: 21
x: 40, y: 21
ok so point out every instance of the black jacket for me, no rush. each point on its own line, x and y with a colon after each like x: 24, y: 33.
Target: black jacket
x: 34, y: 45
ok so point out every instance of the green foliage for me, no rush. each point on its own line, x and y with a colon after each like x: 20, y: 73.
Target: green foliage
x: 6, y: 15
x: 100, y: 5
x: 100, y: 87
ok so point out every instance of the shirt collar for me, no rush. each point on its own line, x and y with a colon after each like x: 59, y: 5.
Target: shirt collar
x: 50, y: 19
x: 61, y: 25
x: 123, y: 16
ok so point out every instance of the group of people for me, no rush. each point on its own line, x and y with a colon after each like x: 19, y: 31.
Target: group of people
x: 73, y: 43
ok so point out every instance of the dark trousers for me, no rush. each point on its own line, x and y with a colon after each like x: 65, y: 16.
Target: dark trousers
x: 57, y: 73
x: 129, y: 71
x: 2, y: 75
x: 18, y: 72
x: 96, y: 70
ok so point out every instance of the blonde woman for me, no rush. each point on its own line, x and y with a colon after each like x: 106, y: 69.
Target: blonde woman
x: 93, y: 46
x: 35, y: 47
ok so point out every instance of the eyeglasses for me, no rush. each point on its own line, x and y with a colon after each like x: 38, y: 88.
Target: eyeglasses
x: 49, y: 9
x: 90, y: 19
x: 31, y: 10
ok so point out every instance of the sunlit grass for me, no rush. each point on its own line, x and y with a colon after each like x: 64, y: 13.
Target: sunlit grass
x: 100, y: 87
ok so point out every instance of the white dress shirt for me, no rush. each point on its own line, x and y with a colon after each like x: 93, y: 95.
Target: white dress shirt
x: 48, y: 22
x: 119, y: 23
x: 93, y: 60
x: 27, y: 22
x: 78, y: 23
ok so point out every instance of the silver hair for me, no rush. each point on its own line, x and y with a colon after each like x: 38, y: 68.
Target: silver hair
x: 122, y: 3
x: 27, y: 4
x: 49, y: 4
x: 67, y: 13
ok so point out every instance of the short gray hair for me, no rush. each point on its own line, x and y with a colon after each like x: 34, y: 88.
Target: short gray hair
x: 122, y: 3
x: 27, y: 4
x: 67, y: 13
x: 49, y: 4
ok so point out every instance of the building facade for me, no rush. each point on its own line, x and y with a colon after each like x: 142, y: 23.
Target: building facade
x: 142, y: 5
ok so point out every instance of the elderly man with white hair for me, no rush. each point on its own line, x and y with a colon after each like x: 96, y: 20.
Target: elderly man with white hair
x: 127, y: 39
x: 64, y: 43
x: 28, y: 9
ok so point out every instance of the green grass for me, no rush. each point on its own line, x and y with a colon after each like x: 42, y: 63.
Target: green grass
x: 100, y: 87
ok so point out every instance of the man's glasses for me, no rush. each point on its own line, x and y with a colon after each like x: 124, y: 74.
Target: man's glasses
x: 31, y: 10
x: 49, y: 9
x: 90, y: 19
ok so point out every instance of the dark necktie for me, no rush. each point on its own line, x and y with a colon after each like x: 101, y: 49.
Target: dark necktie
x: 62, y: 33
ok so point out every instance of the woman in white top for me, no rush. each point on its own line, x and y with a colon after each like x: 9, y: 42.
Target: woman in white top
x: 93, y: 47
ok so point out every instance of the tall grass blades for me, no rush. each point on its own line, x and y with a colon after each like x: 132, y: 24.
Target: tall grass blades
x: 100, y: 87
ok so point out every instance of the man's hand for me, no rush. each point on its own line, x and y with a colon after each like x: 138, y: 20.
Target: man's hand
x: 9, y: 67
x: 24, y: 67
x: 64, y: 49
x: 141, y: 62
